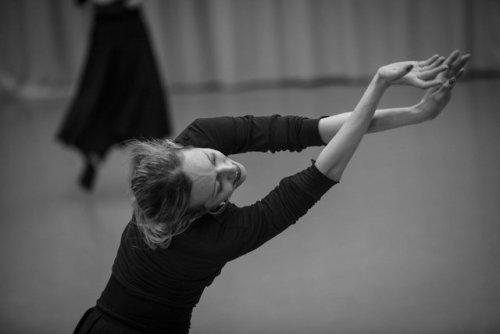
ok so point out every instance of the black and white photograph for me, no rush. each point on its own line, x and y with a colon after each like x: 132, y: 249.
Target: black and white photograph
x: 250, y: 166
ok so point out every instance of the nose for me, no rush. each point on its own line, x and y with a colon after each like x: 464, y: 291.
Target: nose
x: 227, y: 170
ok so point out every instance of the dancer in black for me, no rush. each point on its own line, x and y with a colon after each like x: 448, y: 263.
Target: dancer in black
x: 120, y: 95
x: 184, y: 229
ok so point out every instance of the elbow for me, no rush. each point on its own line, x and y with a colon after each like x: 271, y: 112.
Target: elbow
x: 334, y: 172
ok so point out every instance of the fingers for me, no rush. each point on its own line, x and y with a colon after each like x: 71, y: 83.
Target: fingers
x: 459, y: 74
x: 450, y: 83
x: 447, y: 86
x: 432, y: 73
x: 452, y: 57
x: 428, y: 61
x: 438, y: 61
x: 458, y: 65
x: 430, y: 83
x: 438, y: 82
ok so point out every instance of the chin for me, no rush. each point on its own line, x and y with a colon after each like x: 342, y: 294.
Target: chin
x: 243, y: 174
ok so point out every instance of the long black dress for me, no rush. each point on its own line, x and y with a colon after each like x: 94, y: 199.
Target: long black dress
x: 120, y: 95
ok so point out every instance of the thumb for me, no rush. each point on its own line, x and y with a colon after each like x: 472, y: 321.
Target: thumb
x: 446, y: 87
x: 402, y: 71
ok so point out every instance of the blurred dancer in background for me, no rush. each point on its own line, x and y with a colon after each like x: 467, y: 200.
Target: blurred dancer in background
x: 120, y: 95
x: 184, y: 229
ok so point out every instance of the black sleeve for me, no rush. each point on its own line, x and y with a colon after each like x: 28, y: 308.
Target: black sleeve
x: 231, y: 135
x: 244, y: 229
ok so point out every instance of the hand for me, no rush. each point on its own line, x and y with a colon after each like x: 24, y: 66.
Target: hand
x: 435, y: 99
x: 421, y: 74
x: 456, y: 64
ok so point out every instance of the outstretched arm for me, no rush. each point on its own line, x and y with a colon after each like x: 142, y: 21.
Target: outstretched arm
x: 428, y: 108
x: 334, y: 158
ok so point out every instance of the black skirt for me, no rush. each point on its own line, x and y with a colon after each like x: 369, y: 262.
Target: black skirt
x: 120, y: 95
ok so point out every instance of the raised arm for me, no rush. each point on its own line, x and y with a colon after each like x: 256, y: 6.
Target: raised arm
x: 334, y: 158
x: 253, y: 225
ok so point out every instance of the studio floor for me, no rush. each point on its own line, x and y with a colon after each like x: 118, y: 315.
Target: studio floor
x: 408, y: 242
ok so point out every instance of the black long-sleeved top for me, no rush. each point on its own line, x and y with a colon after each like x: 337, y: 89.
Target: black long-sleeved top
x: 175, y: 277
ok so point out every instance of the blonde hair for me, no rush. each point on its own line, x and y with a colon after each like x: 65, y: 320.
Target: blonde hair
x: 161, y: 191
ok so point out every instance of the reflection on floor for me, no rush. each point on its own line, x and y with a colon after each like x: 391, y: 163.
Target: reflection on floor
x: 408, y: 242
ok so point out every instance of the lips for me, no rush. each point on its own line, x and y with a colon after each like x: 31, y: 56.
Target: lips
x: 238, y: 175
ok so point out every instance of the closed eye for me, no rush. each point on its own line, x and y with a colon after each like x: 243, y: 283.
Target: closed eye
x: 211, y: 158
x: 217, y: 185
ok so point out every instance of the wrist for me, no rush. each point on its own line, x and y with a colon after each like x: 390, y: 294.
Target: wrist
x: 420, y: 113
x: 379, y: 81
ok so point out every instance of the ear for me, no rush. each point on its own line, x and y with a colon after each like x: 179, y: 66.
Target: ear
x: 218, y: 209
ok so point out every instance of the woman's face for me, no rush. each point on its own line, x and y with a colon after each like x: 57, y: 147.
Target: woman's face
x: 214, y: 176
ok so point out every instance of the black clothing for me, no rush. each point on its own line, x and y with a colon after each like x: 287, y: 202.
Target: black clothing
x: 96, y: 321
x: 120, y: 94
x: 172, y: 280
x: 144, y: 314
x: 232, y: 135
